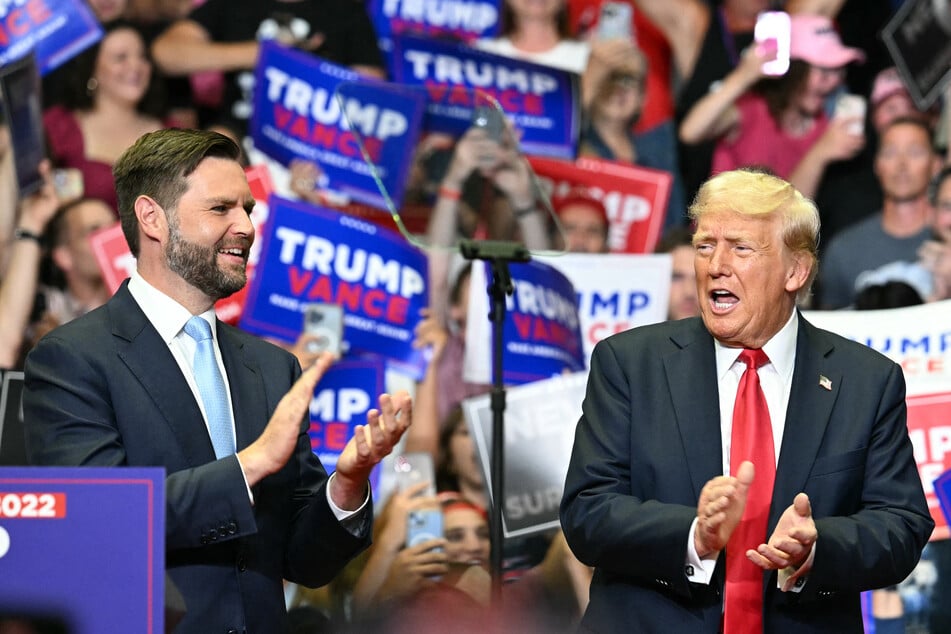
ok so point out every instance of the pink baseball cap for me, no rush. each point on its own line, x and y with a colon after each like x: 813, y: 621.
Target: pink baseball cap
x: 815, y: 40
x: 887, y: 83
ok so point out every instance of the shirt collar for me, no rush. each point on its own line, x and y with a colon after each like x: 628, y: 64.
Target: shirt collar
x: 781, y: 350
x: 167, y: 315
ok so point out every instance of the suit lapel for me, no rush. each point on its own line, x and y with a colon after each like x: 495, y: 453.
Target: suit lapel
x: 691, y: 375
x: 248, y: 398
x: 815, y: 386
x: 147, y: 356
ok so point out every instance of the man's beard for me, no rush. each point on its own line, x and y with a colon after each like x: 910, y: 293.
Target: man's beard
x: 198, y: 266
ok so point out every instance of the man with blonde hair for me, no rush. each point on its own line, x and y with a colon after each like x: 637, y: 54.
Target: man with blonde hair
x: 743, y: 471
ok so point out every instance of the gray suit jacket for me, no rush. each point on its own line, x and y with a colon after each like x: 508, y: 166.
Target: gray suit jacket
x: 104, y: 390
x: 649, y: 439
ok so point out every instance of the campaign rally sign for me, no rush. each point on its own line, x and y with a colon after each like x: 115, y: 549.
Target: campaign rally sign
x: 463, y: 20
x: 83, y: 548
x: 314, y: 255
x: 541, y: 101
x: 616, y: 292
x: 942, y: 488
x: 298, y: 113
x: 918, y: 338
x: 634, y: 197
x: 918, y: 39
x: 541, y: 334
x: 341, y: 400
x: 56, y: 29
x: 540, y: 421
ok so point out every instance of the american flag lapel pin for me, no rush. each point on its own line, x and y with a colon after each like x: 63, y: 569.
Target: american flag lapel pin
x: 825, y: 382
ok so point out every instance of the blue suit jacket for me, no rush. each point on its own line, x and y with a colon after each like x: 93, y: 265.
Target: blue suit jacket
x: 649, y: 439
x: 104, y: 390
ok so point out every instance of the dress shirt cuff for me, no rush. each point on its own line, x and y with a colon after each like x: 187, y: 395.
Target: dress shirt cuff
x: 794, y: 579
x: 244, y: 475
x: 698, y: 570
x: 352, y: 521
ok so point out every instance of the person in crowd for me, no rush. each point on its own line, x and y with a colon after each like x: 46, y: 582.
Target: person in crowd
x: 111, y: 102
x: 154, y: 379
x: 678, y: 242
x: 904, y: 164
x: 73, y: 284
x: 653, y: 127
x: 848, y: 191
x: 18, y: 284
x: 706, y: 41
x: 935, y: 254
x: 773, y: 122
x: 711, y: 501
x: 584, y: 222
x: 610, y: 119
x: 222, y: 35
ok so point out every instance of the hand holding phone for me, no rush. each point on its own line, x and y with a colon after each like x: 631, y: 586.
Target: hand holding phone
x: 774, y: 28
x: 614, y: 21
x: 849, y: 106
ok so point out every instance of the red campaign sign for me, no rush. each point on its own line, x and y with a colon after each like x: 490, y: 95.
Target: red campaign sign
x: 929, y: 426
x: 634, y: 197
x: 112, y: 254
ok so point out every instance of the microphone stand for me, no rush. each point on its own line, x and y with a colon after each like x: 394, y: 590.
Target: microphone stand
x: 498, y: 254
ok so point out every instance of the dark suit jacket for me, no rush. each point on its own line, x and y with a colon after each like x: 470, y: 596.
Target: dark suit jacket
x: 104, y: 390
x: 649, y: 439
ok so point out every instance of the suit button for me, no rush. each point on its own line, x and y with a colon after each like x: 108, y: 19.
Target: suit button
x: 204, y: 540
x: 233, y: 631
x: 223, y: 530
x: 242, y: 564
x: 213, y: 535
x: 232, y: 528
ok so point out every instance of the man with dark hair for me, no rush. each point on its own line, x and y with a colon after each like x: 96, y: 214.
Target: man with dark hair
x: 152, y: 378
x: 743, y: 471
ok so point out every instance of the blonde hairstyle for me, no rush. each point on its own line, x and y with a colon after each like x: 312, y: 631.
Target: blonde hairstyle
x: 753, y: 192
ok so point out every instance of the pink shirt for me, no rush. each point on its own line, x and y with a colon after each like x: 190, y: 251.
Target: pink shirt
x: 758, y: 141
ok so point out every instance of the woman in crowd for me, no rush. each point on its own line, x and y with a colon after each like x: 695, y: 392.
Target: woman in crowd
x: 112, y: 102
x: 609, y: 125
x: 773, y: 122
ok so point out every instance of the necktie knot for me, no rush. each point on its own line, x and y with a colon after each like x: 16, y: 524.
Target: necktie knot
x: 198, y: 329
x: 754, y: 358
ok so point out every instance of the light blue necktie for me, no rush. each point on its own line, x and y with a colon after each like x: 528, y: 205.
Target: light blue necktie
x: 211, y: 386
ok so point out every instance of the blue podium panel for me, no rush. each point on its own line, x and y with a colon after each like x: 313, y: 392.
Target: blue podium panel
x: 83, y: 548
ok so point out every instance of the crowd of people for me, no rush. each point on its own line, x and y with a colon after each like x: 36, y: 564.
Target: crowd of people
x: 684, y: 92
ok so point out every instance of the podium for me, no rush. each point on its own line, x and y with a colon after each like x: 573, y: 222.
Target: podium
x: 82, y: 550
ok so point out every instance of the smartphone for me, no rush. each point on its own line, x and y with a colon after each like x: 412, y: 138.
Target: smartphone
x: 68, y: 183
x: 615, y: 20
x: 774, y: 25
x: 325, y: 323
x: 423, y: 525
x: 851, y: 107
x: 414, y: 467
x: 489, y: 119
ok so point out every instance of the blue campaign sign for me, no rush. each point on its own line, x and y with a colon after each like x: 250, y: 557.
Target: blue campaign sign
x: 367, y: 130
x: 310, y: 254
x: 56, y: 29
x: 542, y: 333
x: 83, y: 547
x: 341, y: 400
x: 541, y: 101
x: 462, y: 19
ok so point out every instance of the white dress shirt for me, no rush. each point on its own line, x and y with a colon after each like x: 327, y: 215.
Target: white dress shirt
x: 776, y: 381
x: 169, y: 318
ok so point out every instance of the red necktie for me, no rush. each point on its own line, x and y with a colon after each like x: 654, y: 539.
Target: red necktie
x: 751, y: 439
